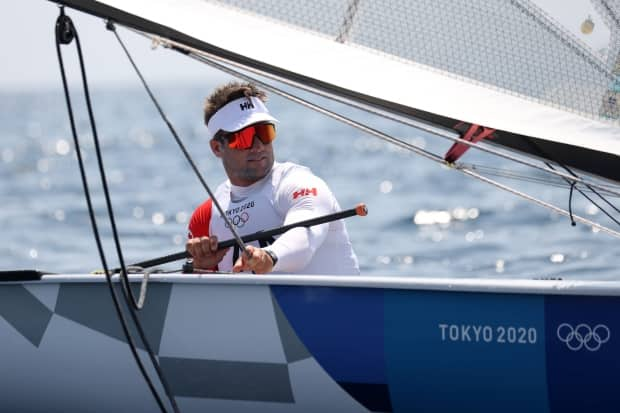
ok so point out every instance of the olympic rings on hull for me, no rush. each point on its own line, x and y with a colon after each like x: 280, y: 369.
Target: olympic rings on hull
x: 583, y: 336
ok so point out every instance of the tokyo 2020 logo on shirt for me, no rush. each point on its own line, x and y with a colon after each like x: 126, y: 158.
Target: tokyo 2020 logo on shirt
x: 583, y: 336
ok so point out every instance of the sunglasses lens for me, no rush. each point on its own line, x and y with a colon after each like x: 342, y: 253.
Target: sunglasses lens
x: 266, y: 132
x: 244, y: 138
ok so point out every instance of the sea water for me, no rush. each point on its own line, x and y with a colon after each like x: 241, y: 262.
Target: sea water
x: 424, y: 219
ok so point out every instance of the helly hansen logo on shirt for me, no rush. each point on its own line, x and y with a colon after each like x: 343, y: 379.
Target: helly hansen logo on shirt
x: 246, y: 105
x: 304, y: 192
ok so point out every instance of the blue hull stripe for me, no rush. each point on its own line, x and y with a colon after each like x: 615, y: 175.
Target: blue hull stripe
x: 446, y: 354
x: 442, y: 351
x: 342, y: 329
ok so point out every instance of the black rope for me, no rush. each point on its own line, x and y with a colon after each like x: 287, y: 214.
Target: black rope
x: 573, y: 184
x: 570, y: 204
x: 65, y: 33
x: 110, y: 26
x: 595, y: 192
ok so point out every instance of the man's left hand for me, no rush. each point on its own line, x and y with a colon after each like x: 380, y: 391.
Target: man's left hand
x: 254, y: 259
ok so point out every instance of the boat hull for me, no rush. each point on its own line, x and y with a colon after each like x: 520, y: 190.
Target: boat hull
x: 295, y: 345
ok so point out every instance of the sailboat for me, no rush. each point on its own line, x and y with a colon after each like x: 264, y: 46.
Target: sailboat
x: 221, y: 342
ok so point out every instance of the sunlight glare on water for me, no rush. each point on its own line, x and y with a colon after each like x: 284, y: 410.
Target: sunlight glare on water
x: 424, y: 219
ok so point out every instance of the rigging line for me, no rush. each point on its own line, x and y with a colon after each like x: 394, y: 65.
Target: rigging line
x: 349, y: 16
x: 566, y: 184
x: 188, y: 157
x: 570, y: 204
x: 430, y: 129
x: 398, y: 142
x: 573, y: 175
x: 592, y: 189
x: 578, y: 49
x: 401, y: 143
x: 563, y: 185
x: 595, y: 204
x: 125, y: 283
x: 516, y: 176
x: 540, y: 202
x: 610, y: 13
x: 442, y: 132
x: 65, y: 33
x: 544, y: 154
x: 558, y: 183
x: 201, y: 56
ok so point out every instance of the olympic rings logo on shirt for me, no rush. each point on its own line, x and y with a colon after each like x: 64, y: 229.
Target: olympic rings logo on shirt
x: 583, y: 336
x: 239, y: 220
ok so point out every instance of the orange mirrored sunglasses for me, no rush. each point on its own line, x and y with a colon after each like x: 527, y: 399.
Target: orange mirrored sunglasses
x: 244, y: 139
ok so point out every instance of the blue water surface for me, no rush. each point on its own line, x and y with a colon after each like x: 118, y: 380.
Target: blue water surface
x: 424, y: 220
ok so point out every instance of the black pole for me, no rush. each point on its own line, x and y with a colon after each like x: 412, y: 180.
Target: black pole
x: 360, y: 210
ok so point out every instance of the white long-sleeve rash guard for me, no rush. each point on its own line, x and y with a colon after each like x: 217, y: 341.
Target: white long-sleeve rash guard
x: 289, y: 194
x: 296, y: 247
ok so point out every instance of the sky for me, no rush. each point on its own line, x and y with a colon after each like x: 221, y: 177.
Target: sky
x: 29, y: 59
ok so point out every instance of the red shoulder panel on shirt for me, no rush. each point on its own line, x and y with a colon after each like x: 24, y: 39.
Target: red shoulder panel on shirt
x: 199, y: 222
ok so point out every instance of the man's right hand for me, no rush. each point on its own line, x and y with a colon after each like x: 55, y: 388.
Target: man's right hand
x: 204, y: 252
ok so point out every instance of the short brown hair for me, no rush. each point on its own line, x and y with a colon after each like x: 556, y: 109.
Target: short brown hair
x: 229, y: 92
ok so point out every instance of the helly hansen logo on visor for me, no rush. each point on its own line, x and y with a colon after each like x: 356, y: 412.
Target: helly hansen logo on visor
x: 304, y: 192
x: 246, y: 105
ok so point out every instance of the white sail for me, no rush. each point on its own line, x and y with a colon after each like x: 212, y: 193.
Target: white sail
x: 504, y: 65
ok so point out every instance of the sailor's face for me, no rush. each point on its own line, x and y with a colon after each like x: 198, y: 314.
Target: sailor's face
x: 245, y: 166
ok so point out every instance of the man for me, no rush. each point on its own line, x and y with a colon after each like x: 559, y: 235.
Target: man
x: 262, y: 194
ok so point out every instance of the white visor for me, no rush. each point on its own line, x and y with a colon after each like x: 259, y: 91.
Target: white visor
x: 238, y: 114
